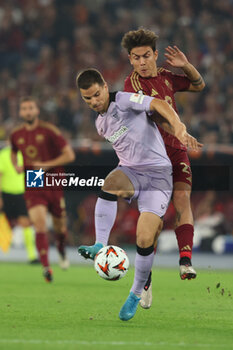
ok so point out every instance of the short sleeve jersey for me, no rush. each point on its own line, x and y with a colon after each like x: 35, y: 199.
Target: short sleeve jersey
x: 134, y: 137
x: 11, y: 181
x: 43, y: 143
x: 163, y: 86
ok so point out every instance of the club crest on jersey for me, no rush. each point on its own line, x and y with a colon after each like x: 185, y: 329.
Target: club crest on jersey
x: 114, y: 114
x: 137, y: 98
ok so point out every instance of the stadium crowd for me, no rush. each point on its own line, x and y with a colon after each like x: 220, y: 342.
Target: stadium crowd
x: 44, y: 43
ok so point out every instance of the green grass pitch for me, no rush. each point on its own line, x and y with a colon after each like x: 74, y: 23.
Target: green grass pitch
x: 79, y: 310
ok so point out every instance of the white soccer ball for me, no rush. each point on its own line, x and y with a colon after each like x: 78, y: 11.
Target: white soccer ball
x: 111, y: 263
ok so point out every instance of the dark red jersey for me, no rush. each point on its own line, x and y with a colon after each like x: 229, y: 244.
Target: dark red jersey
x: 43, y: 143
x: 163, y: 86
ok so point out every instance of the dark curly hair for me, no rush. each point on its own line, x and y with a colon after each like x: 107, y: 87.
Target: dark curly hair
x: 137, y: 38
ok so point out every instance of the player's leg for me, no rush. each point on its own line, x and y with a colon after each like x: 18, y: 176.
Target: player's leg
x: 150, y: 200
x: 116, y: 184
x: 29, y: 238
x: 37, y: 215
x: 8, y: 207
x: 57, y: 207
x: 148, y: 226
x: 147, y: 296
x: 153, y: 200
x: 28, y: 231
x: 182, y: 186
x: 60, y: 228
x: 15, y: 209
x: 184, y: 228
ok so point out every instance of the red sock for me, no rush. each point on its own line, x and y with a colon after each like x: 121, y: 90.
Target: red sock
x: 184, y: 236
x: 61, y: 243
x: 42, y: 247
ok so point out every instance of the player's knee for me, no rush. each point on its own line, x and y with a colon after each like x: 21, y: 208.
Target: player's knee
x: 159, y: 228
x: 109, y: 186
x: 117, y: 188
x: 40, y: 226
x: 118, y: 183
x: 61, y: 229
x: 158, y: 233
x: 145, y: 239
x: 181, y: 199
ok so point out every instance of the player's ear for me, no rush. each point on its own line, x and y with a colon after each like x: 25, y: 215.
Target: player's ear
x: 130, y: 60
x: 106, y: 85
x: 156, y: 55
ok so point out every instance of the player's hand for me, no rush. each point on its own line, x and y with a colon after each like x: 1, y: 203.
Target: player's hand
x: 175, y: 57
x: 192, y: 143
x: 19, y: 169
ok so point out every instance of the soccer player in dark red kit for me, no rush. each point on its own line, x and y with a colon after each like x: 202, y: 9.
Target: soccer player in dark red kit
x: 148, y: 79
x: 43, y: 146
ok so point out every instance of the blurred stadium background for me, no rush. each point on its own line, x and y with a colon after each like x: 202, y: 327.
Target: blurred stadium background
x: 44, y: 43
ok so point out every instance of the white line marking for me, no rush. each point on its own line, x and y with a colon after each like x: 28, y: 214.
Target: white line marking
x: 112, y: 343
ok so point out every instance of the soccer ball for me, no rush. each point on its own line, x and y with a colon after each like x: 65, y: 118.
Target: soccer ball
x: 111, y: 263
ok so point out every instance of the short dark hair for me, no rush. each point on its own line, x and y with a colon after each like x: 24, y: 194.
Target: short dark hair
x: 137, y: 38
x: 29, y: 99
x: 86, y: 78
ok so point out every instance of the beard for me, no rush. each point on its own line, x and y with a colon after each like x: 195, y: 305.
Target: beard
x: 29, y: 121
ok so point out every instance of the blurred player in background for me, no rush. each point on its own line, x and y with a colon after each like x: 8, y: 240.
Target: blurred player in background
x: 12, y: 201
x: 43, y: 146
x: 144, y: 172
x: 148, y: 79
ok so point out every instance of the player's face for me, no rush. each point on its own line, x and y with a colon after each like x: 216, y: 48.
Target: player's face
x: 97, y: 97
x: 143, y: 60
x: 29, y: 111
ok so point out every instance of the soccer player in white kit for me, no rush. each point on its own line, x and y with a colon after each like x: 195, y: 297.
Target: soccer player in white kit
x: 144, y: 172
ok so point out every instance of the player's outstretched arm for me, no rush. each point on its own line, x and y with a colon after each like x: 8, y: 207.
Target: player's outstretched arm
x: 167, y: 116
x: 177, y: 58
x: 14, y: 161
x: 193, y: 143
x: 177, y: 128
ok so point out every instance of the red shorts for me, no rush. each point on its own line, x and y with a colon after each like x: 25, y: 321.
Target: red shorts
x: 180, y: 164
x: 53, y: 200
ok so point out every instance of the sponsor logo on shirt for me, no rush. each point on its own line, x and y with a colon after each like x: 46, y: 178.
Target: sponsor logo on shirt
x: 117, y: 134
x: 137, y: 98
